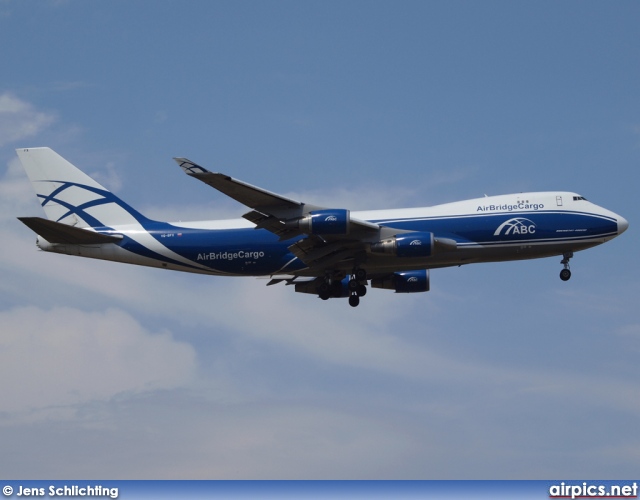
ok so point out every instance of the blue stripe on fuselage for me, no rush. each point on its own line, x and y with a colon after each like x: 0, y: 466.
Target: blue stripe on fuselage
x: 241, y: 251
x: 513, y: 227
x: 248, y: 251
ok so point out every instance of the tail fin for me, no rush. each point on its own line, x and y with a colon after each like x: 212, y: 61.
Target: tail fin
x: 70, y: 196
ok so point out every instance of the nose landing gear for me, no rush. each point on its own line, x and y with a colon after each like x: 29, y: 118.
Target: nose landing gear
x: 565, y: 274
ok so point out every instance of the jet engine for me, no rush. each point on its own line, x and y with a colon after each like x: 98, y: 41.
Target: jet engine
x: 416, y: 244
x: 404, y: 281
x: 332, y: 221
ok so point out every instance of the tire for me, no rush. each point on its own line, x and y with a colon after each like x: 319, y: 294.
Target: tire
x: 565, y: 274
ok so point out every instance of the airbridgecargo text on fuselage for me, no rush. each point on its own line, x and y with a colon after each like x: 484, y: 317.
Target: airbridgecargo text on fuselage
x: 230, y: 255
x: 510, y: 208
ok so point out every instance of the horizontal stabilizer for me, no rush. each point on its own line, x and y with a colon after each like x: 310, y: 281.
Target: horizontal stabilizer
x: 56, y: 232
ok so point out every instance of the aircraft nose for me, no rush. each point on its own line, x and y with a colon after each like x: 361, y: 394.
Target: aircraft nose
x: 622, y: 225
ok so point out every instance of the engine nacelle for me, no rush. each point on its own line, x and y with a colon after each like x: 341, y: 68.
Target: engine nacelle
x: 332, y: 221
x: 416, y: 244
x: 404, y: 281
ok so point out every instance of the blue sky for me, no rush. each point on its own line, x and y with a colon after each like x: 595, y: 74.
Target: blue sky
x: 502, y: 371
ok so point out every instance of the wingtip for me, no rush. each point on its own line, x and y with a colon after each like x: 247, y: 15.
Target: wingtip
x: 190, y: 167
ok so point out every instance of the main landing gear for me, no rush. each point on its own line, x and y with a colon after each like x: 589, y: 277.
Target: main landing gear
x: 333, y: 286
x: 330, y: 288
x: 565, y: 274
x: 356, y: 286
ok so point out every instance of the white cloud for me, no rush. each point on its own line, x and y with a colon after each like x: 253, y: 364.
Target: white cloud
x: 65, y: 356
x: 186, y: 212
x: 20, y: 120
x: 367, y: 196
x: 108, y: 177
x: 278, y: 439
x: 16, y: 193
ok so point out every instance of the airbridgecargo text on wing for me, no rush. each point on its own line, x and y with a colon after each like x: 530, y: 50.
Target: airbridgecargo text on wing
x: 230, y: 255
x: 510, y: 208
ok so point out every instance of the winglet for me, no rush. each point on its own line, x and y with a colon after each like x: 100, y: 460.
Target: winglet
x: 189, y: 167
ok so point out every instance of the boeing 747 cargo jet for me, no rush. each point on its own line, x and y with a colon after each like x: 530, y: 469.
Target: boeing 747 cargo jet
x: 324, y: 251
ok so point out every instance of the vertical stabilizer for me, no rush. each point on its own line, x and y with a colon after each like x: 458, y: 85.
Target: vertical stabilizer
x: 70, y: 196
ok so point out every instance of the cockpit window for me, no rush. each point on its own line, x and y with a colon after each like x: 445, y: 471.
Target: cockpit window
x: 578, y: 198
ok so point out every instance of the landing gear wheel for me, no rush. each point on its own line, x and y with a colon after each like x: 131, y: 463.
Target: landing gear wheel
x: 324, y: 291
x: 354, y: 300
x: 353, y: 285
x: 565, y: 274
x: 360, y: 274
x: 361, y: 291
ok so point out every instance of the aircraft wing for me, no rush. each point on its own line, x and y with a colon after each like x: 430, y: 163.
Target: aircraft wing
x: 279, y: 214
x: 246, y: 194
x: 264, y: 203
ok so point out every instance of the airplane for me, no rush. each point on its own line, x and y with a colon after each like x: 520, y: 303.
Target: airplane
x: 324, y: 251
